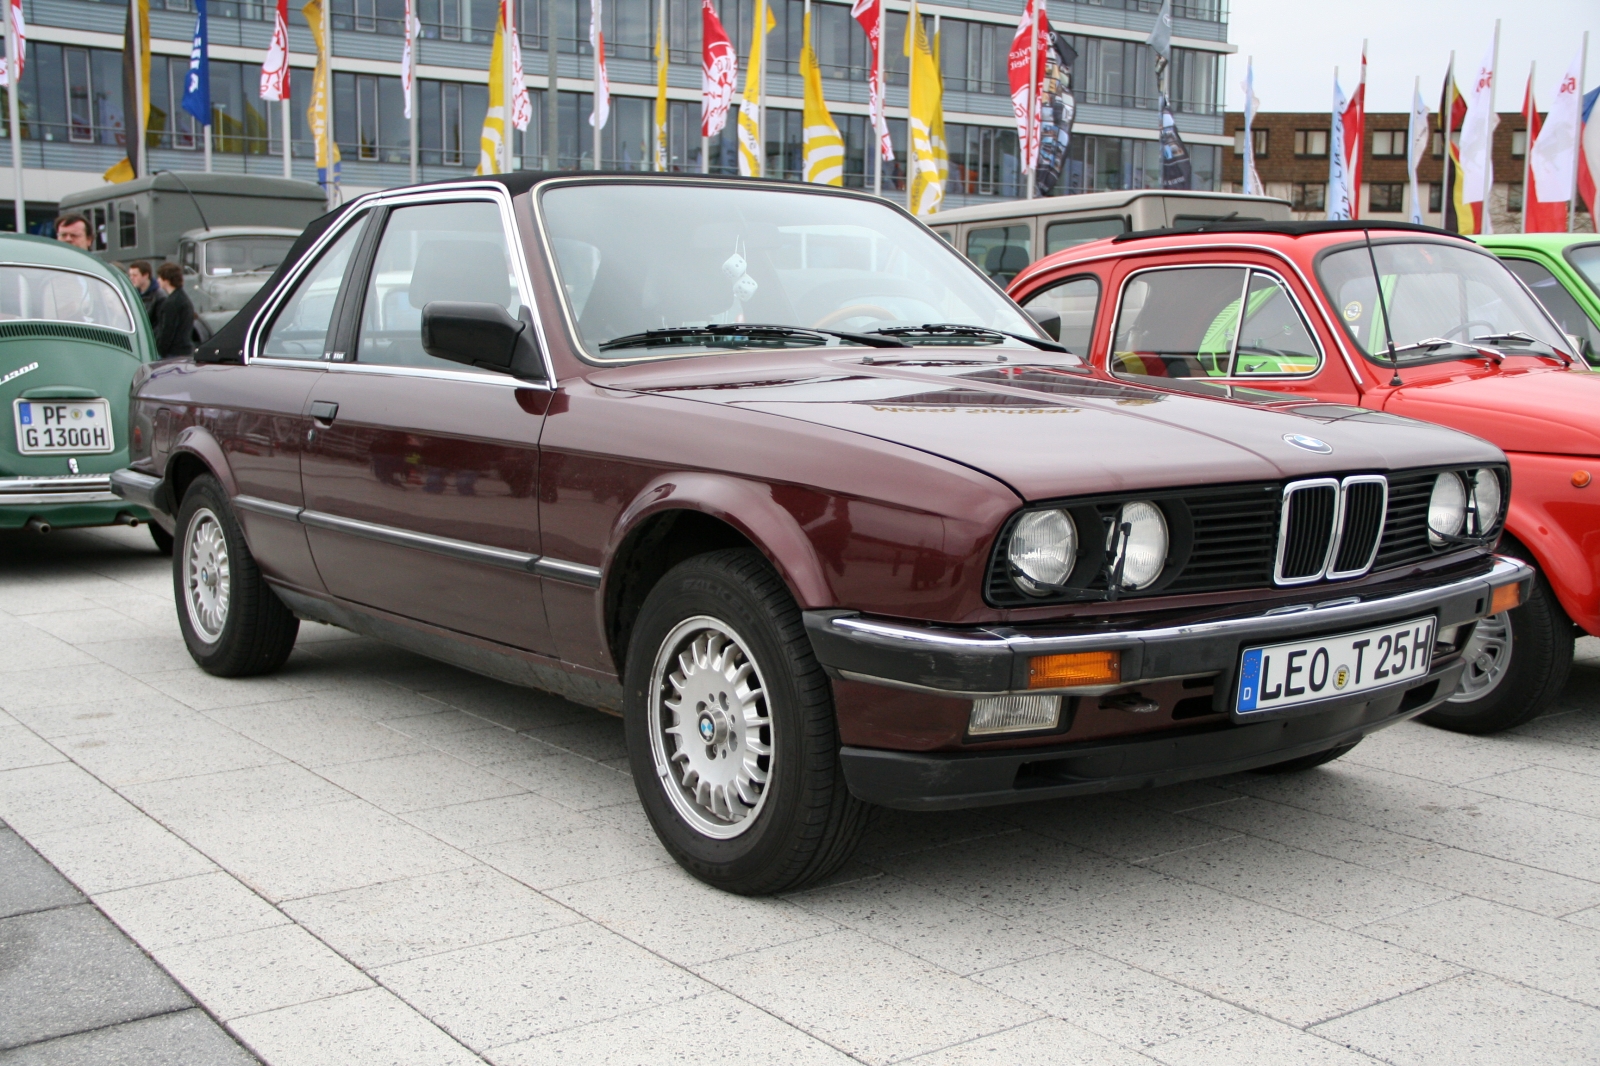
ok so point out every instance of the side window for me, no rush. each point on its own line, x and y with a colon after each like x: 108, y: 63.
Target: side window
x: 1274, y: 339
x: 1059, y: 235
x: 429, y: 252
x: 1075, y: 300
x: 1559, y: 302
x: 300, y: 330
x: 189, y: 257
x: 1178, y: 323
x: 1000, y: 251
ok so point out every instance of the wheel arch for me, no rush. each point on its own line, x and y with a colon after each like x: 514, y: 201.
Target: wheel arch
x: 1537, y: 538
x: 195, y: 452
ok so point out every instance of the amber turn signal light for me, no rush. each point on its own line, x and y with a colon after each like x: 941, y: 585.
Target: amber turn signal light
x: 1504, y: 599
x: 1078, y: 668
x: 1581, y: 479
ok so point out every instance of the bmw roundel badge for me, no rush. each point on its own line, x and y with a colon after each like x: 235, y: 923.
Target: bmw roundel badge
x: 1310, y: 444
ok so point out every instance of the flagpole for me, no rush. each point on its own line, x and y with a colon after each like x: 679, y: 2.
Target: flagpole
x: 413, y: 43
x: 1487, y: 225
x: 14, y: 81
x: 1031, y: 150
x: 1530, y: 108
x: 911, y: 116
x: 877, y: 78
x: 661, y: 41
x: 1446, y: 180
x: 1578, y: 141
x: 594, y: 105
x: 136, y: 154
x: 552, y: 104
x: 508, y: 128
x: 762, y: 14
x: 1416, y: 168
x: 206, y: 133
x: 1353, y: 173
x: 288, y: 140
x: 327, y: 97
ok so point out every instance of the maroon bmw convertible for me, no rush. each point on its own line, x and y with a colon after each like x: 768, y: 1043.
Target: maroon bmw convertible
x: 781, y: 478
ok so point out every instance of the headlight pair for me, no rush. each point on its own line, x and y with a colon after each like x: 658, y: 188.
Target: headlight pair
x: 1463, y: 504
x: 1043, y: 550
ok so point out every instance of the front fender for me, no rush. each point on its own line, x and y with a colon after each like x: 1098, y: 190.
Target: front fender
x: 198, y: 442
x: 1559, y: 524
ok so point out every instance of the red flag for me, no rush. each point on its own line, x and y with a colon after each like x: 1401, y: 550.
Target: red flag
x: 1355, y: 132
x: 869, y: 13
x: 719, y: 71
x: 275, y: 71
x: 1024, y: 87
x: 1551, y: 216
x: 1588, y: 157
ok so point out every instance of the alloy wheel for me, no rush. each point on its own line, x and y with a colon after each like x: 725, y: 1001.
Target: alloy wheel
x: 206, y: 578
x: 1488, y: 655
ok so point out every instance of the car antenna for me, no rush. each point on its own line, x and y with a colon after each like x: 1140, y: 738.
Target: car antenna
x: 192, y: 199
x: 1383, y: 309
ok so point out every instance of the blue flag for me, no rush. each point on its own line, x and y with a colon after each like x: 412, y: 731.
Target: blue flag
x: 197, y: 86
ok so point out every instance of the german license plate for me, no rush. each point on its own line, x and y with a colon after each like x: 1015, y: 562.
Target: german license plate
x: 47, y: 427
x: 1284, y: 675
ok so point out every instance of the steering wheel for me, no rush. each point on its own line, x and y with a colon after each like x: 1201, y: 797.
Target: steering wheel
x: 844, y: 313
x: 1447, y: 334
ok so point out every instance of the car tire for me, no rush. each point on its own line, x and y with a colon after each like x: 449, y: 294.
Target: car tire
x: 1306, y: 762
x: 232, y: 622
x: 162, y: 539
x: 722, y: 630
x: 1511, y: 681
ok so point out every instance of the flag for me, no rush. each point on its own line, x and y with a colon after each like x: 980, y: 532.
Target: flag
x: 1057, y: 109
x: 494, y: 133
x: 1160, y: 37
x: 659, y: 137
x: 317, y: 111
x: 1338, y: 175
x: 197, y: 85
x: 602, y: 84
x: 19, y: 32
x: 275, y: 71
x: 1540, y: 217
x: 869, y: 14
x: 408, y: 55
x: 927, y: 186
x: 1355, y: 132
x: 1477, y: 134
x: 1177, y: 170
x: 1551, y: 159
x: 1027, y: 84
x: 1452, y: 112
x: 521, y: 108
x: 752, y: 154
x: 1419, y: 135
x: 1252, y: 177
x: 941, y: 147
x: 719, y: 71
x: 1589, y: 152
x: 824, y: 148
x: 135, y: 85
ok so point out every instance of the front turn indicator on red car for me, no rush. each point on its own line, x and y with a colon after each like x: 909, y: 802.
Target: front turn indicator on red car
x: 1074, y: 669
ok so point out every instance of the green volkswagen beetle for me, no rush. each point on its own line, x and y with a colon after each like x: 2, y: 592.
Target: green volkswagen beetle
x: 72, y: 333
x: 1563, y: 270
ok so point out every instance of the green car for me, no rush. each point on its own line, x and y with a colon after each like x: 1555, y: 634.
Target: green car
x: 72, y: 334
x: 1563, y: 270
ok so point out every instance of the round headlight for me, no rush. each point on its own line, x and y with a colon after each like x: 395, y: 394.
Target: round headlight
x: 1141, y: 550
x: 1447, y: 508
x: 1485, y: 501
x: 1043, y: 551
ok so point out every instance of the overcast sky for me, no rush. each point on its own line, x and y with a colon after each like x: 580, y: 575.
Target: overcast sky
x: 1297, y: 44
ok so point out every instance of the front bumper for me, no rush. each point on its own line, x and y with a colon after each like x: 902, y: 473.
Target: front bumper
x: 994, y: 661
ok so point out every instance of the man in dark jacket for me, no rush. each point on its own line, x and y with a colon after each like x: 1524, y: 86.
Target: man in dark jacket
x: 174, y: 324
x: 139, y: 273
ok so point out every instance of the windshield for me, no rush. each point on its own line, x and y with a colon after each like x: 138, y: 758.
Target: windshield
x: 1585, y: 258
x: 1438, y: 297
x: 245, y: 255
x: 640, y: 261
x: 60, y: 296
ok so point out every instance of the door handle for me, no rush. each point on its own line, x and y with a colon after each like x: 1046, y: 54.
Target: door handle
x: 324, y: 411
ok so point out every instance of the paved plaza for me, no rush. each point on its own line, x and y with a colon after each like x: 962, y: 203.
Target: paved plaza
x: 372, y: 858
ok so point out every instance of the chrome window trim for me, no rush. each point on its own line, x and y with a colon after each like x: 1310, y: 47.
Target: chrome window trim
x: 1338, y: 533
x: 253, y: 338
x: 1283, y: 530
x: 1230, y: 378
x: 133, y: 323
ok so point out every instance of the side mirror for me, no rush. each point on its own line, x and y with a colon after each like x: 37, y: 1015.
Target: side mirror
x: 1048, y: 321
x: 481, y: 335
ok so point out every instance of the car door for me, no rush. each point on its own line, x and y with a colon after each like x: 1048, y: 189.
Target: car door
x: 1575, y: 322
x: 421, y: 482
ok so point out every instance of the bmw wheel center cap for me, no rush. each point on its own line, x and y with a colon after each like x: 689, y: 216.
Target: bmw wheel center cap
x: 1310, y: 444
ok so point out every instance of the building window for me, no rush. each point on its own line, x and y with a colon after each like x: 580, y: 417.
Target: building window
x: 1388, y: 144
x: 1436, y: 144
x: 1310, y: 195
x: 1435, y: 197
x: 1387, y: 196
x: 1259, y: 136
x: 1514, y: 197
x: 1311, y: 143
x: 1519, y: 143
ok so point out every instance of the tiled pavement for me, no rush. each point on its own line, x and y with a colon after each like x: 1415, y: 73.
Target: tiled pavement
x: 372, y: 858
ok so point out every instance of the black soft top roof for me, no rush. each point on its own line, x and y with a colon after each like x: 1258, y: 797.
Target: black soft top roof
x: 1287, y: 229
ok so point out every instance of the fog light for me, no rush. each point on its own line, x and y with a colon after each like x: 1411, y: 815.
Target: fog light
x: 1506, y: 597
x: 1014, y: 714
x: 1078, y: 668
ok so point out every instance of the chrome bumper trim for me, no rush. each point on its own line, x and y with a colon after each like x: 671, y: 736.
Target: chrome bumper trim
x: 44, y: 491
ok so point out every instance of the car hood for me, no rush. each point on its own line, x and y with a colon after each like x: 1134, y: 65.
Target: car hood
x: 1049, y: 432
x: 1543, y: 409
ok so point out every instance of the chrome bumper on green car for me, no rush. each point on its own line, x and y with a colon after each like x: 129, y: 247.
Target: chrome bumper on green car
x: 62, y: 502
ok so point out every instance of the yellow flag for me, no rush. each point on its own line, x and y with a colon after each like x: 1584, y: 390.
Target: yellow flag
x: 317, y: 110
x: 927, y: 116
x: 824, y: 148
x: 752, y: 153
x: 494, y: 119
x: 123, y: 171
x: 660, y: 152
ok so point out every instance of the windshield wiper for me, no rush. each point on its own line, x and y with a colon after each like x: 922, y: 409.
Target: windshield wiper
x: 721, y: 333
x: 957, y: 329
x: 1524, y: 340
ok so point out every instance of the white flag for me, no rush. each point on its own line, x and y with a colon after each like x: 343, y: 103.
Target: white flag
x: 19, y: 29
x: 1553, y: 159
x: 1477, y: 133
x: 1252, y: 176
x: 521, y: 108
x: 602, y: 85
x: 1420, y: 136
x: 408, y: 54
x: 1338, y: 176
